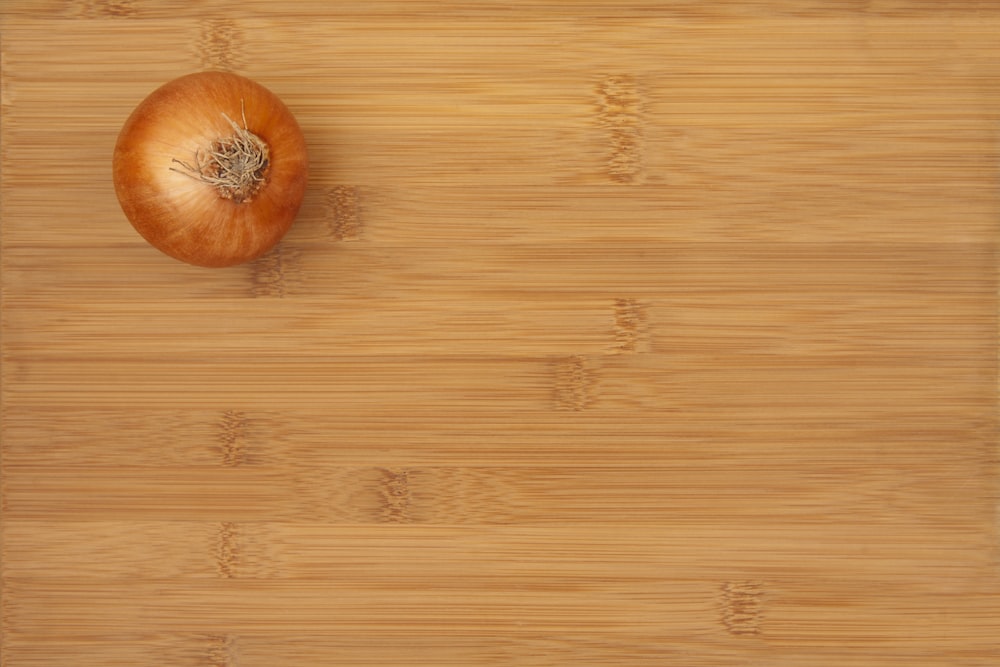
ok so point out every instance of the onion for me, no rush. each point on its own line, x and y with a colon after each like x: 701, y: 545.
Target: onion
x: 211, y: 169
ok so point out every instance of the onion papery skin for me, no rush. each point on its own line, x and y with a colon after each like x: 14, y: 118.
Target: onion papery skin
x: 185, y: 217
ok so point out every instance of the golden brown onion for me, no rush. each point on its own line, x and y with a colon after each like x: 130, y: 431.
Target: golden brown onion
x: 211, y: 169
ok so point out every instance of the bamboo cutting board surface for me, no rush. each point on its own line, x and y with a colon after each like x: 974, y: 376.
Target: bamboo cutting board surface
x: 648, y: 333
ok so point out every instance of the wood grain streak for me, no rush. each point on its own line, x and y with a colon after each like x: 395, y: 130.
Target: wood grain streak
x: 656, y: 332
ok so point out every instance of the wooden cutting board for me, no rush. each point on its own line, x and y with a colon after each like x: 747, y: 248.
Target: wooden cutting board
x: 638, y: 333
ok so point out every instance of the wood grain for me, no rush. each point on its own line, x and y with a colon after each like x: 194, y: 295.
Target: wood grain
x: 661, y: 332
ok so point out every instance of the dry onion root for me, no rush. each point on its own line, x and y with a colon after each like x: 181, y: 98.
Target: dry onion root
x: 202, y: 187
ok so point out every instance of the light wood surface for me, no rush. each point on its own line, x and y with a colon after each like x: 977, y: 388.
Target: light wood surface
x: 610, y: 334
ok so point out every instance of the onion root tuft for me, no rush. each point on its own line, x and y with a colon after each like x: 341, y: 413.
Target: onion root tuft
x: 236, y: 166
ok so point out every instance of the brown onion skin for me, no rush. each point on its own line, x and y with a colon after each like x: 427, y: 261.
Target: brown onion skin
x: 184, y: 217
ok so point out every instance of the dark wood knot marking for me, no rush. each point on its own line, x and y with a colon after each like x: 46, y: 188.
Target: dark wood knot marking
x: 395, y: 492
x: 227, y: 550
x: 233, y: 429
x: 573, y: 384
x: 630, y: 330
x: 619, y: 105
x: 220, y: 45
x: 742, y: 607
x: 276, y: 273
x: 342, y: 205
x: 97, y: 9
x: 222, y: 651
